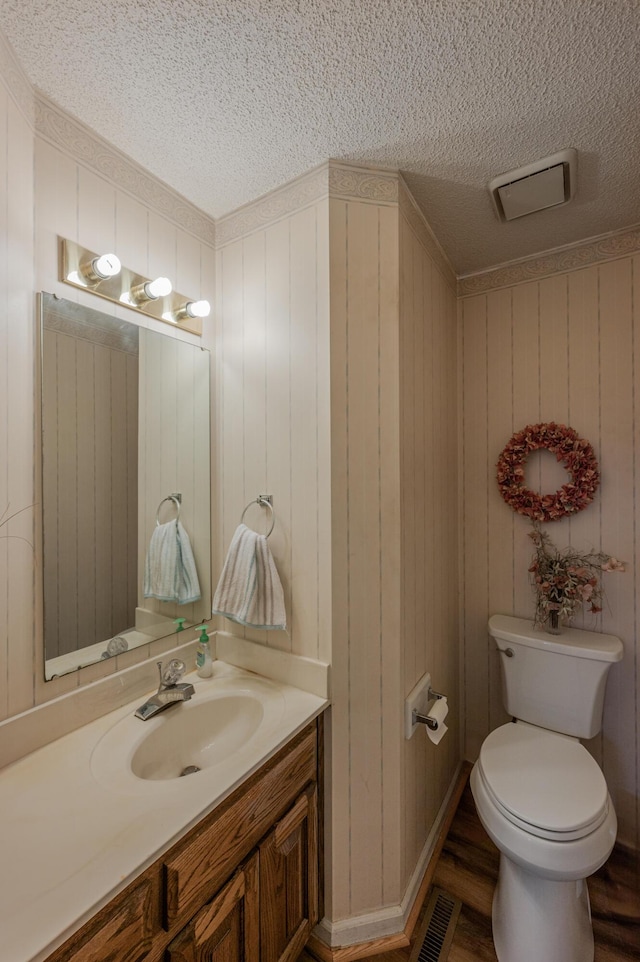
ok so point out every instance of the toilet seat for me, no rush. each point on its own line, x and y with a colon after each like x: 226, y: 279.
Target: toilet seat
x: 545, y: 783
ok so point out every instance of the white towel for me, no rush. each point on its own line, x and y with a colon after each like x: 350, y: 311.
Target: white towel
x: 249, y: 591
x: 170, y: 569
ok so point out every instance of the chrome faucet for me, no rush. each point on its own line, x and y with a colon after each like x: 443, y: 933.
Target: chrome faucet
x: 170, y: 690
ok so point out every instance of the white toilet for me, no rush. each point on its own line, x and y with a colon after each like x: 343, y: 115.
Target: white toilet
x: 539, y: 793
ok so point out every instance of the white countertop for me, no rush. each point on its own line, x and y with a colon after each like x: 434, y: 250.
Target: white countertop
x: 73, y: 833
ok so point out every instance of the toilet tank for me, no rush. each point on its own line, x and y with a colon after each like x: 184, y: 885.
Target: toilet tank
x: 554, y: 681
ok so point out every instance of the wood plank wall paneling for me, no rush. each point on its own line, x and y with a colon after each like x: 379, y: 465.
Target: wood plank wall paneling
x: 393, y: 342
x: 429, y: 507
x: 45, y: 193
x: 272, y: 413
x: 363, y: 862
x: 566, y: 349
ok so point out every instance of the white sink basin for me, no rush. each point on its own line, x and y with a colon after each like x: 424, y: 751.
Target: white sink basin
x: 221, y: 723
x: 197, y: 734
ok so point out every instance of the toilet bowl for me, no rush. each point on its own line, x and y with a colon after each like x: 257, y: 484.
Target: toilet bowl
x: 553, y: 829
x: 541, y: 796
x: 544, y: 802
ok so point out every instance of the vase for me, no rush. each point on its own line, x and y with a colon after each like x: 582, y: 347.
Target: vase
x: 553, y: 623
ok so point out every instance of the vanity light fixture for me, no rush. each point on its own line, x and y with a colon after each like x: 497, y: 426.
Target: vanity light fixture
x: 148, y: 291
x: 102, y: 274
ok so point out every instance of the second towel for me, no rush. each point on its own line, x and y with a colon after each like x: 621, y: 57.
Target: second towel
x: 249, y: 591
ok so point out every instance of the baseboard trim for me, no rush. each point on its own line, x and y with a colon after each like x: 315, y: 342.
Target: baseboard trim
x: 398, y: 940
x: 316, y: 948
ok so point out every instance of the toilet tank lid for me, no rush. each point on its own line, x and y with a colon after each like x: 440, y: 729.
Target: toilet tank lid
x: 573, y: 641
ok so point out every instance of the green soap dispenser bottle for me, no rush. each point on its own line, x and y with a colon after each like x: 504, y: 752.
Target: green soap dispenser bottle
x: 204, y: 662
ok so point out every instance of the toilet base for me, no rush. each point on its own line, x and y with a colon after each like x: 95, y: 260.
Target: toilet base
x: 538, y: 919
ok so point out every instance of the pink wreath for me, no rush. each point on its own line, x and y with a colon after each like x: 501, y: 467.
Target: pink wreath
x: 573, y: 452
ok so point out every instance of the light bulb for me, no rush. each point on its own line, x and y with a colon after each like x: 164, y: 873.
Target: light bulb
x: 107, y: 265
x: 160, y: 287
x: 198, y: 308
x: 147, y: 291
x: 100, y: 268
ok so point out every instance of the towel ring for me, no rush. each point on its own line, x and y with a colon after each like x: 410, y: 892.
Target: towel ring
x: 265, y: 503
x: 176, y: 498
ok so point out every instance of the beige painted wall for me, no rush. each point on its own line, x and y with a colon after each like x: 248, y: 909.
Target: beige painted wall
x: 429, y: 513
x: 564, y: 348
x: 318, y: 377
x: 365, y: 841
x: 272, y: 413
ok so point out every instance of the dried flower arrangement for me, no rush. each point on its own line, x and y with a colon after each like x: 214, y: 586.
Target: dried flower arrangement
x: 562, y: 580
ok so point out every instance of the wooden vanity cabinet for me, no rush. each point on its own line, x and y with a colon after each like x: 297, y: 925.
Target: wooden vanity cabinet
x: 242, y: 886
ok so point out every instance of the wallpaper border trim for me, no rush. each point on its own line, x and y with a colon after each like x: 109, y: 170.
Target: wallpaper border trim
x: 68, y: 134
x: 559, y: 260
x: 371, y: 185
x: 334, y: 179
x: 368, y: 185
x: 274, y: 206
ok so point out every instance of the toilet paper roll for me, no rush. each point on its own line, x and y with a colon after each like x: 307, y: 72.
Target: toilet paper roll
x: 439, y: 711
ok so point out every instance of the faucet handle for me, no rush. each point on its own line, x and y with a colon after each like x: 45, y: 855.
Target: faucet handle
x: 173, y: 672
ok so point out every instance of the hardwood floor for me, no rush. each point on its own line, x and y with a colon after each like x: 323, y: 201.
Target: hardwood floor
x: 468, y: 869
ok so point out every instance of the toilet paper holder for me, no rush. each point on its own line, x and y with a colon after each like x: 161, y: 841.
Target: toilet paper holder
x: 418, y: 717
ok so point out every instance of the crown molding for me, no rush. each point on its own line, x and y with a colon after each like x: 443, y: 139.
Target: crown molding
x: 59, y: 128
x: 560, y: 260
x: 420, y: 226
x: 16, y: 81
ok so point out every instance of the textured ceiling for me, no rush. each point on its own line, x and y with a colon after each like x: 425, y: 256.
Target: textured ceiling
x: 226, y: 99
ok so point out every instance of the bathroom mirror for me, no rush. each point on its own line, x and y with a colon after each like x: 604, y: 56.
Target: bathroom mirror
x: 125, y: 446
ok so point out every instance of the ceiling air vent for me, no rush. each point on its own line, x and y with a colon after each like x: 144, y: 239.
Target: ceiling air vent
x: 546, y: 183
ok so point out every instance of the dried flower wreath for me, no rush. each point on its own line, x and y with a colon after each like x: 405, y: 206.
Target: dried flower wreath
x: 573, y: 452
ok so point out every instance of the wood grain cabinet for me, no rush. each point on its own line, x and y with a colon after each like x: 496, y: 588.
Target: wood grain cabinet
x: 289, y: 881
x: 123, y: 931
x: 242, y: 886
x: 228, y: 928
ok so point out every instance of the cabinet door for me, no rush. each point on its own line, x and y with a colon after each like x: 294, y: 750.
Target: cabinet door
x: 228, y: 928
x: 289, y: 881
x: 123, y: 931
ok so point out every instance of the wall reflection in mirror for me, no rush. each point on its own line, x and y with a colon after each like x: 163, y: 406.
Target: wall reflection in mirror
x: 125, y: 450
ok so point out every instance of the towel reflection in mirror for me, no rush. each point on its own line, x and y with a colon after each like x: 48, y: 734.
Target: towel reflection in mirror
x: 170, y: 569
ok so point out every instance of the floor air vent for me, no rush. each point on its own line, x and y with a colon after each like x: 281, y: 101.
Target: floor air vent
x: 438, y: 928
